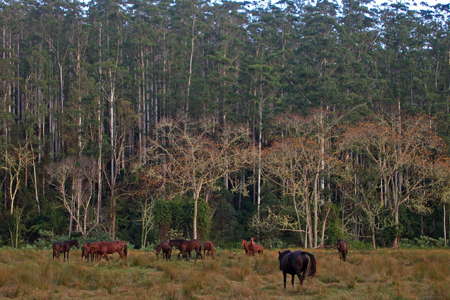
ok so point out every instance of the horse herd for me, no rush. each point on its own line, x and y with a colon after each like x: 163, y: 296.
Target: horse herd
x: 91, y: 251
x: 298, y: 263
x: 186, y: 247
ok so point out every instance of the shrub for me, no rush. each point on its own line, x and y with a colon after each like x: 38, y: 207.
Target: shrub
x: 423, y: 242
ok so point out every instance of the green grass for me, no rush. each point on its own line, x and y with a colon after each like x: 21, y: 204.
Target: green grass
x: 381, y: 274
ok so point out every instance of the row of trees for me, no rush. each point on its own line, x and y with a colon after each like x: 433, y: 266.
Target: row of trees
x: 110, y: 105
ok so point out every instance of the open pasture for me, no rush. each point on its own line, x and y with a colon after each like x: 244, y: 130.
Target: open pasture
x: 381, y: 274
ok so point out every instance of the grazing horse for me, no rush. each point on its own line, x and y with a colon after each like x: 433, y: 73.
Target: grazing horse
x: 87, y: 252
x: 208, y: 249
x: 177, y: 244
x: 118, y: 247
x: 245, y: 246
x: 297, y: 263
x: 99, y: 250
x: 165, y: 248
x: 188, y: 246
x: 342, y: 248
x: 255, y: 248
x: 64, y: 247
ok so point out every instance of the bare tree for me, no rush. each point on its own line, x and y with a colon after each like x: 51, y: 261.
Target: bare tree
x: 16, y: 159
x: 404, y: 159
x: 75, y: 179
x: 187, y: 161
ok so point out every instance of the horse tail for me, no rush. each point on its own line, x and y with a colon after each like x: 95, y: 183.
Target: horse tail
x: 125, y: 250
x: 312, y: 265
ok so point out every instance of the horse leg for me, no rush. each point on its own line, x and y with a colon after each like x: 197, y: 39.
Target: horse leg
x: 301, y: 277
x: 344, y: 254
x: 284, y: 279
x: 292, y: 279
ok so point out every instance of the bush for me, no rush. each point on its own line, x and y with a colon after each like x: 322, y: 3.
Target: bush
x: 356, y: 244
x: 423, y: 242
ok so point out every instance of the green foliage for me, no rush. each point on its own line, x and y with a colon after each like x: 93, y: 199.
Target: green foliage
x: 178, y: 215
x: 423, y: 242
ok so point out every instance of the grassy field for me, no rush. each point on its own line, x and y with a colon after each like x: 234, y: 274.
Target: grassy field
x: 381, y: 274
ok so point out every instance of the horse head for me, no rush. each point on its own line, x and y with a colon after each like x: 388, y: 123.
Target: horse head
x: 282, y: 254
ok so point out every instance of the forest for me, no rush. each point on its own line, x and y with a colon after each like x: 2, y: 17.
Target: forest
x: 296, y: 122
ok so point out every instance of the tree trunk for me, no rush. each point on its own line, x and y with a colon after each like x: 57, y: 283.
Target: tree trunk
x: 374, y: 241
x: 260, y: 111
x: 194, y: 220
x: 445, y: 225
x: 191, y: 58
x: 396, y: 243
x: 324, y: 227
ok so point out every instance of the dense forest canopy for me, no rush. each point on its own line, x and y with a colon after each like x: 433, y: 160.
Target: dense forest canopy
x: 299, y: 122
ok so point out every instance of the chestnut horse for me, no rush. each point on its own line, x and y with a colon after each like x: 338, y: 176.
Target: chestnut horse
x: 342, y: 248
x: 64, y: 247
x: 255, y: 248
x: 165, y: 248
x: 188, y: 246
x: 297, y: 263
x: 208, y: 249
x: 87, y: 252
x: 99, y: 250
x: 245, y: 246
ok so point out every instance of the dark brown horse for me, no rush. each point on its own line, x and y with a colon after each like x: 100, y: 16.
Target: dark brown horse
x: 193, y: 245
x: 254, y: 247
x: 342, y: 248
x: 64, y: 247
x: 208, y: 249
x: 165, y: 248
x: 297, y: 263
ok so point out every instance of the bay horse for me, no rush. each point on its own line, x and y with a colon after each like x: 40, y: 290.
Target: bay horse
x: 87, y: 252
x: 342, y: 248
x: 188, y: 246
x: 177, y: 244
x: 208, y: 249
x: 64, y: 247
x: 255, y: 248
x: 165, y: 248
x: 297, y: 263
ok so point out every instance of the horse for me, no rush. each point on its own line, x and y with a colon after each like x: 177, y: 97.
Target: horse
x: 87, y: 252
x: 64, y: 247
x: 101, y: 250
x: 208, y: 249
x: 166, y: 249
x: 255, y: 248
x: 297, y: 263
x: 245, y: 246
x: 177, y: 244
x: 188, y: 246
x: 342, y: 248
